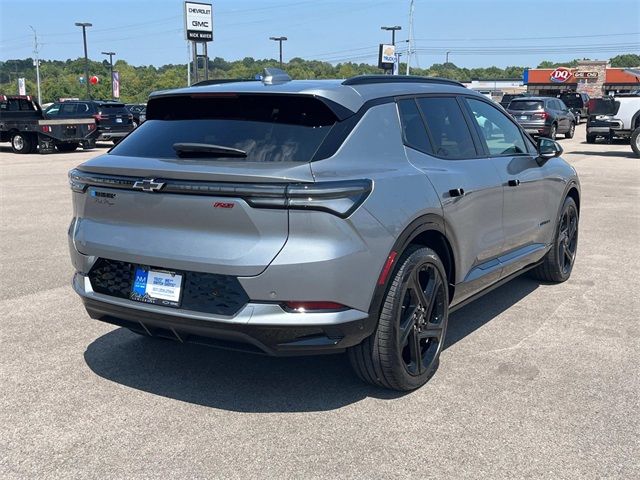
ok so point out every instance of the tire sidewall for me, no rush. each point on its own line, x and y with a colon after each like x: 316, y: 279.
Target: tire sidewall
x: 413, y: 260
x: 556, y: 253
x: 26, y: 143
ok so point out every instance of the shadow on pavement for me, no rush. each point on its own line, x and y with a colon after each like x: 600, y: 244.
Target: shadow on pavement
x: 628, y: 154
x: 246, y: 382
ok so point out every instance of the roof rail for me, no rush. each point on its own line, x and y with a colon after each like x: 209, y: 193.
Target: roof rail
x: 369, y: 79
x: 216, y: 81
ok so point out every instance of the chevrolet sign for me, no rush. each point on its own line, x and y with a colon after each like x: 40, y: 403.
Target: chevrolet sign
x: 198, y: 19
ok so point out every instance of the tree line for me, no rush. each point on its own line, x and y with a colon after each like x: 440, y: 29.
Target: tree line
x: 62, y: 78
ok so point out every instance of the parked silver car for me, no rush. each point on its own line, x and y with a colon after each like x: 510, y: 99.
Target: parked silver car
x: 308, y: 217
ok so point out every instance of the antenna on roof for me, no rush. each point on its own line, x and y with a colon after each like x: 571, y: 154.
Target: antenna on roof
x: 274, y: 76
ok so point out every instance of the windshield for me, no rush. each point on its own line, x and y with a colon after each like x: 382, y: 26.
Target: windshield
x: 269, y: 128
x: 525, y: 105
x: 572, y: 100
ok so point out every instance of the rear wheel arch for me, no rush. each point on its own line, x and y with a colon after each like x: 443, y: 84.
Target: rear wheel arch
x: 426, y: 231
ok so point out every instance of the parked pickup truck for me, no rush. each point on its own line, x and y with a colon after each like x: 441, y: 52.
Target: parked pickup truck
x: 23, y: 124
x: 617, y: 117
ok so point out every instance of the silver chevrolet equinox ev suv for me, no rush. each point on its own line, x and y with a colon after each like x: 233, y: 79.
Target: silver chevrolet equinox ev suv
x: 307, y: 217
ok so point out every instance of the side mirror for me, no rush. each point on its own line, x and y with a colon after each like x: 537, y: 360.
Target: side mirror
x: 547, y: 149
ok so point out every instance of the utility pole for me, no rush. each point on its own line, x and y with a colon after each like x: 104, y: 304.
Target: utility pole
x: 37, y: 62
x: 111, y: 54
x: 447, y: 57
x: 279, y: 40
x: 410, y: 47
x: 84, y: 26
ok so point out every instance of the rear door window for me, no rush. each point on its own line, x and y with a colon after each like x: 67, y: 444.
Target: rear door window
x: 267, y: 128
x: 68, y: 109
x: 413, y: 129
x: 522, y: 105
x: 448, y: 130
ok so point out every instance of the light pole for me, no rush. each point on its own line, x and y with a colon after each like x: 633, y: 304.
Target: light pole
x: 37, y: 62
x: 84, y: 26
x: 111, y: 54
x: 279, y: 40
x: 447, y: 57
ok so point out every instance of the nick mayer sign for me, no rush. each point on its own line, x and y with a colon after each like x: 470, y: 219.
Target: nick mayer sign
x: 198, y: 19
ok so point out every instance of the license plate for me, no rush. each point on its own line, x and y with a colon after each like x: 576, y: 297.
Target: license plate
x: 159, y: 287
x: 523, y: 117
x: 70, y: 132
x: 118, y: 120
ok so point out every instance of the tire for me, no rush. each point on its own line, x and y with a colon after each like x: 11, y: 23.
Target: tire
x: 591, y: 139
x: 22, y: 143
x: 557, y: 264
x: 578, y: 117
x: 571, y: 131
x: 553, y: 131
x: 404, y: 351
x: 67, y: 147
x: 635, y: 141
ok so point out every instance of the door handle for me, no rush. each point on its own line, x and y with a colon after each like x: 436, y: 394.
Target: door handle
x: 456, y: 192
x: 514, y: 183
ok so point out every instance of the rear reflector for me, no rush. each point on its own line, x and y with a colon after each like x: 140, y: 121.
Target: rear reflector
x: 301, y: 307
x: 387, y: 268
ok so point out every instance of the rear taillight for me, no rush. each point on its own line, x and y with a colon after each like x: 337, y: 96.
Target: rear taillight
x: 340, y: 198
x: 46, y: 128
x: 98, y: 116
x: 306, y: 307
x: 541, y: 115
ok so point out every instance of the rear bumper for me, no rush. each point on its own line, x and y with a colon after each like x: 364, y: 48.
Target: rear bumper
x: 257, y: 327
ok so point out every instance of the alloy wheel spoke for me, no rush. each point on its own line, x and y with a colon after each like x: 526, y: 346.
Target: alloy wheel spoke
x: 423, y: 301
x: 433, y: 289
x: 407, y: 327
x: 416, y: 351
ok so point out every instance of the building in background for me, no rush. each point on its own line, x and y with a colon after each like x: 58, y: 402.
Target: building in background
x: 592, y: 77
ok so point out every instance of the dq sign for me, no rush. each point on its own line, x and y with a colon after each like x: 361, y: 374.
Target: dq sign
x: 560, y: 75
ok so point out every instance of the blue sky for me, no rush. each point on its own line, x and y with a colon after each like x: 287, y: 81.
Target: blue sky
x: 477, y: 33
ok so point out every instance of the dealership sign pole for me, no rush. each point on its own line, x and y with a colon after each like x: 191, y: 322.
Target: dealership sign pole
x: 198, y: 27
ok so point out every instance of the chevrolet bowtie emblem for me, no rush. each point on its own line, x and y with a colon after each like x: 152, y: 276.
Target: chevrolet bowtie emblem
x: 148, y: 185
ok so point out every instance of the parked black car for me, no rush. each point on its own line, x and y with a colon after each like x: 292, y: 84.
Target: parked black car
x: 543, y: 116
x: 113, y: 120
x: 139, y: 112
x: 507, y: 97
x: 578, y: 103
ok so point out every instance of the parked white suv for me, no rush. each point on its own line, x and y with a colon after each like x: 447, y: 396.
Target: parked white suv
x: 615, y: 117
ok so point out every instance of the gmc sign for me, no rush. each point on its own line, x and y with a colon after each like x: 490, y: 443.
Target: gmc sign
x: 198, y: 21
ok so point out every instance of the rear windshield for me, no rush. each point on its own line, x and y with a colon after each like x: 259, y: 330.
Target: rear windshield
x: 525, y: 105
x: 112, y: 108
x: 269, y: 128
x: 572, y: 100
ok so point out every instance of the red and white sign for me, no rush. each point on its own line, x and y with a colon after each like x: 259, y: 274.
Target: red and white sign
x: 561, y: 75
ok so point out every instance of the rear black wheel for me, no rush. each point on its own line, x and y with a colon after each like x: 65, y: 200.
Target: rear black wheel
x: 571, y: 131
x: 553, y: 131
x: 591, y: 139
x: 635, y: 141
x: 558, y: 262
x: 404, y: 351
x: 22, y: 143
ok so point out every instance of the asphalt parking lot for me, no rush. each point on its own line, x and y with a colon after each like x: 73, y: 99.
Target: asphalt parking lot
x: 537, y: 381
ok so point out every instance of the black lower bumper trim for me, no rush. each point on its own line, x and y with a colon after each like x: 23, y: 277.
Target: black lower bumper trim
x: 270, y: 340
